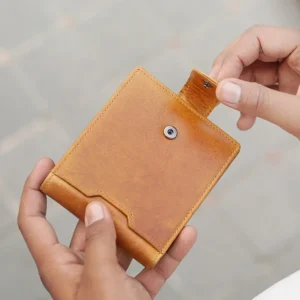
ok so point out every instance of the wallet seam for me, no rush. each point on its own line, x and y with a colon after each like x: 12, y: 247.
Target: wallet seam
x: 49, y: 181
x: 162, y: 249
x: 44, y: 187
x: 52, y: 176
x: 206, y: 112
x: 193, y: 209
x: 183, y: 92
x: 207, y: 122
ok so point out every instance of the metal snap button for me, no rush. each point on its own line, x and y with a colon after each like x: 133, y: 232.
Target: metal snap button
x: 170, y: 132
x: 207, y: 84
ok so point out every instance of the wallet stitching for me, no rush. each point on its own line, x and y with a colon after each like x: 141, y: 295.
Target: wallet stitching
x: 188, y: 215
x: 92, y: 125
x: 184, y: 92
x: 204, y: 112
x: 159, y: 253
x: 49, y: 181
x: 191, y: 109
x: 206, y: 121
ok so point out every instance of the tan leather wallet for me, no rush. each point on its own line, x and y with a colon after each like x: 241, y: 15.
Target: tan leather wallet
x: 151, y: 156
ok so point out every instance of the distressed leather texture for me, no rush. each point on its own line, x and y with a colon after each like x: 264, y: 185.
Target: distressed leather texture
x: 151, y: 184
x: 200, y: 93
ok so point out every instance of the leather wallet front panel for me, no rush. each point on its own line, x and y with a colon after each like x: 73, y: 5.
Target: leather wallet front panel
x: 124, y: 157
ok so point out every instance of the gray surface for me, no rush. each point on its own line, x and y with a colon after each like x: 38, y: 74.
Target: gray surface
x: 60, y: 61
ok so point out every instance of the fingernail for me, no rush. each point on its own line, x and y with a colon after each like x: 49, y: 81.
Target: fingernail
x: 230, y: 93
x: 93, y: 213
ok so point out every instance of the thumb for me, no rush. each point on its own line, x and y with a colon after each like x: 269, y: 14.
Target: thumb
x: 257, y: 100
x: 100, y: 247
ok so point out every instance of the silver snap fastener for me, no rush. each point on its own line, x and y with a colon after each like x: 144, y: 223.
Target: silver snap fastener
x: 207, y: 84
x: 170, y: 132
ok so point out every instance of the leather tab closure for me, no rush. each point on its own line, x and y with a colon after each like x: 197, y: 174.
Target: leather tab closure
x: 200, y: 92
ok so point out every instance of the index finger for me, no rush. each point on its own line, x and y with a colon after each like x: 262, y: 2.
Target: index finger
x: 266, y: 43
x: 38, y: 233
x: 154, y: 279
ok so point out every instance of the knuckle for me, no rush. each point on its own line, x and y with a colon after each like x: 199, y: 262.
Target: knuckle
x: 262, y: 99
x: 27, y: 183
x: 217, y: 60
x: 255, y: 28
x: 47, y: 266
x: 294, y: 60
x: 297, y: 131
x: 96, y: 231
x: 160, y: 272
x: 20, y: 223
x: 215, y: 64
x: 256, y: 100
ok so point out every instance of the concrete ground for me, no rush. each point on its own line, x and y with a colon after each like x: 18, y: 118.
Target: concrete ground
x: 60, y: 60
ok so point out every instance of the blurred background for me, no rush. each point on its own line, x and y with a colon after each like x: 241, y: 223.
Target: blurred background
x: 61, y: 60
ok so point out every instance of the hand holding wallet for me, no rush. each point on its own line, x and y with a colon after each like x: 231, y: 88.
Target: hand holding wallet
x: 151, y: 156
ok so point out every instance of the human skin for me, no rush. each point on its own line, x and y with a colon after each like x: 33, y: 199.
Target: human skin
x: 93, y: 267
x: 259, y: 75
